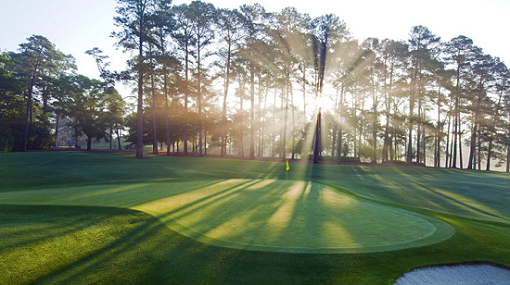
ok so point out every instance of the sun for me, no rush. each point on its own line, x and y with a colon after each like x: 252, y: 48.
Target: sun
x: 325, y: 103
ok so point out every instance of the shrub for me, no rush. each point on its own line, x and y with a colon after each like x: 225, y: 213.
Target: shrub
x: 6, y: 139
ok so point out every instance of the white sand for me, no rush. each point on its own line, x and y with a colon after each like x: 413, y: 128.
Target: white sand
x: 477, y: 274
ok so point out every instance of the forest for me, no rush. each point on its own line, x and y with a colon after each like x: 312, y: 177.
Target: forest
x: 252, y: 83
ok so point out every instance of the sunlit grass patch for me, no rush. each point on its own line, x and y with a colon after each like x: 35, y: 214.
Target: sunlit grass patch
x: 39, y: 240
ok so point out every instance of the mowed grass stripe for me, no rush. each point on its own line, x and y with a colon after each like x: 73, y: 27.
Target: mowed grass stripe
x: 50, y: 160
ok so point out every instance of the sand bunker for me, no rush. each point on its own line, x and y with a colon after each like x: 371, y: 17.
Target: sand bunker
x: 472, y: 274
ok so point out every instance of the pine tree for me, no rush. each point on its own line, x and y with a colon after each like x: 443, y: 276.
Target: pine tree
x: 135, y: 20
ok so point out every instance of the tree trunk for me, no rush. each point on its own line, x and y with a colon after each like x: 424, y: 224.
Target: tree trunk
x: 316, y: 150
x: 139, y: 129
x: 56, y: 130
x: 460, y: 143
x: 282, y: 119
x: 167, y: 123
x: 418, y: 132
x: 472, y: 146
x: 89, y: 143
x: 453, y: 141
x: 165, y: 93
x: 333, y: 138
x: 386, y: 139
x: 205, y: 135
x: 293, y: 123
x: 285, y: 115
x: 118, y: 136
x: 263, y: 127
x: 354, y: 129
x: 374, y: 133
x: 437, y: 153
x: 241, y: 129
x: 224, y: 113
x: 489, y: 155
x: 340, y: 119
x: 153, y: 107
x: 374, y: 118
x: 304, y: 90
x: 259, y: 119
x: 508, y: 158
x: 394, y: 153
x: 252, y: 110
x: 447, y: 154
x: 456, y: 118
x: 111, y: 136
x: 320, y: 84
x: 273, y: 133
x: 479, y: 155
x: 410, y: 136
x: 186, y: 94
x: 199, y: 99
x: 28, y: 120
x: 334, y: 126
x: 455, y: 136
x: 475, y: 121
x: 424, y: 143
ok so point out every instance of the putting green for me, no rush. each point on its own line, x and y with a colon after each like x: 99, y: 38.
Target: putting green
x: 266, y: 215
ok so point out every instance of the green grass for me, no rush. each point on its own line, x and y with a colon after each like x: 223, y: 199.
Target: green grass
x: 258, y: 214
x: 65, y: 218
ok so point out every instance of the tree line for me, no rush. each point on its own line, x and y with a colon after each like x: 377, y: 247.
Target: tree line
x: 39, y: 88
x: 248, y: 82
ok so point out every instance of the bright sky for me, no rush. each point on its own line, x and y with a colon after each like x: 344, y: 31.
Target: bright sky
x: 75, y: 26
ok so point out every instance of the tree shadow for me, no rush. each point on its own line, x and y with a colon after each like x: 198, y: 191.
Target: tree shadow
x: 451, y: 191
x: 142, y: 250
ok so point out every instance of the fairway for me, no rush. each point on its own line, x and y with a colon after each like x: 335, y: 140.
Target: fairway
x: 107, y: 218
x: 255, y: 214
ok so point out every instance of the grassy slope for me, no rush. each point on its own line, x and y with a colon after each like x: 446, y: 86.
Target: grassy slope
x: 84, y: 245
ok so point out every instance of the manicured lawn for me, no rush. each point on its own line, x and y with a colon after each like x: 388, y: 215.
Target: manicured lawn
x: 82, y: 218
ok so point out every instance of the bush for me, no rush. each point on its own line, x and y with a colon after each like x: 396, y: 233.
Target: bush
x: 39, y: 137
x: 366, y: 152
x: 6, y: 139
x: 350, y: 159
x: 334, y: 158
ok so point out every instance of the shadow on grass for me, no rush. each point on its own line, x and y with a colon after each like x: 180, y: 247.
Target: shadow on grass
x: 135, y: 248
x: 101, y: 245
x: 19, y: 223
x: 459, y: 192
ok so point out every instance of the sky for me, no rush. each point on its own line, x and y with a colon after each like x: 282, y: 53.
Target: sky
x: 75, y: 26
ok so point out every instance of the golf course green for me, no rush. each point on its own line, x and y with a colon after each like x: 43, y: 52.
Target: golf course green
x: 83, y: 217
x: 267, y: 215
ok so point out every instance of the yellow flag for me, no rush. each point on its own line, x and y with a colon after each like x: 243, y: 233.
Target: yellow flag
x: 287, y: 165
